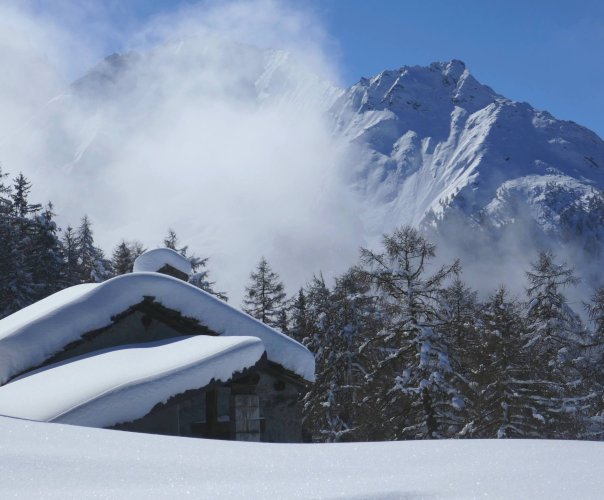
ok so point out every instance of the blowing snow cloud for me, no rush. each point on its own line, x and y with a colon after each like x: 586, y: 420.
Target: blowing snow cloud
x: 200, y: 124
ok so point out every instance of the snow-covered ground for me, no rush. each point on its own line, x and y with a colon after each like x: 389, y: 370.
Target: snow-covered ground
x: 41, y: 460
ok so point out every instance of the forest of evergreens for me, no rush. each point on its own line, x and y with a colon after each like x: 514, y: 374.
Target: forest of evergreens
x: 404, y: 349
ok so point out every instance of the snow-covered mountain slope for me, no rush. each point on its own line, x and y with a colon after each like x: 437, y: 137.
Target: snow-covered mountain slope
x: 42, y: 460
x: 436, y: 139
x: 431, y: 139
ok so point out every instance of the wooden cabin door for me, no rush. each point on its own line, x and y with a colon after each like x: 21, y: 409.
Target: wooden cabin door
x: 246, y: 413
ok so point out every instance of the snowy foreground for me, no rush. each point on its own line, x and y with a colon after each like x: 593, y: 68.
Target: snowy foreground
x: 61, y: 461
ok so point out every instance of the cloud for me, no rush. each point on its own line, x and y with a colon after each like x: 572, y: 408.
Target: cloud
x: 204, y: 128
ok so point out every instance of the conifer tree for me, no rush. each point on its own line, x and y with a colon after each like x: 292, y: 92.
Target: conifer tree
x: 6, y: 243
x: 72, y: 271
x: 17, y: 287
x: 592, y: 368
x: 92, y: 263
x: 318, y: 298
x: 346, y: 360
x: 18, y: 290
x: 414, y: 385
x: 124, y: 255
x: 318, y: 419
x: 554, y: 338
x: 299, y: 317
x: 265, y: 295
x: 45, y: 255
x: 20, y: 194
x: 459, y: 327
x: 505, y: 405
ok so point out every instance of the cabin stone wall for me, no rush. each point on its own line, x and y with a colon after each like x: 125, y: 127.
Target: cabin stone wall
x: 162, y: 421
x: 280, y: 409
x: 270, y: 412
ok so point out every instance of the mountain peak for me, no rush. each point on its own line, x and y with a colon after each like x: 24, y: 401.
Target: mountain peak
x: 454, y: 68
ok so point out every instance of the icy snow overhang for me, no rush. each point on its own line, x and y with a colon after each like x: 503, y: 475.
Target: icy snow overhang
x: 155, y: 260
x: 123, y: 384
x: 34, y: 334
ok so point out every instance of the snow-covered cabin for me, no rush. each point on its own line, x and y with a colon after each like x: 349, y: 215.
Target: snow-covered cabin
x: 149, y: 352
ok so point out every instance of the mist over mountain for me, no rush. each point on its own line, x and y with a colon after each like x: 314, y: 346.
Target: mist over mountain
x: 248, y: 152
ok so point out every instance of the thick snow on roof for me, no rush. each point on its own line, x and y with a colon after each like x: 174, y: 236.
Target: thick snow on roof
x: 32, y: 335
x: 153, y: 260
x: 123, y: 384
x: 54, y: 461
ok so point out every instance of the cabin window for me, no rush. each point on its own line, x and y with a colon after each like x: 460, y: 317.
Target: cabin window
x: 214, y: 415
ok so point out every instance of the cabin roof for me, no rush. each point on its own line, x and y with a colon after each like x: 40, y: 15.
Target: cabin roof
x: 123, y: 384
x: 34, y: 334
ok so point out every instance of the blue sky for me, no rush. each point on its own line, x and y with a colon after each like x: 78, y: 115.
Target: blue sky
x: 548, y: 53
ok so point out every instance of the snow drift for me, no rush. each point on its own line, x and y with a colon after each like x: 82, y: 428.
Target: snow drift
x: 41, y: 460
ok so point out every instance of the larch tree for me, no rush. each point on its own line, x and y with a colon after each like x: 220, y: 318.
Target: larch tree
x: 265, y: 295
x: 414, y: 381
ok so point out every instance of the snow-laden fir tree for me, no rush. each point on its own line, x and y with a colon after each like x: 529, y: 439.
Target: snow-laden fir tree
x: 265, y: 295
x: 31, y: 262
x: 5, y: 241
x: 318, y: 306
x: 17, y: 287
x: 592, y: 368
x: 555, y: 338
x: 121, y: 260
x: 459, y: 326
x: 124, y: 255
x: 504, y: 405
x: 93, y: 266
x: 414, y: 382
x: 333, y: 407
x: 314, y: 327
x: 45, y: 255
x: 299, y: 318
